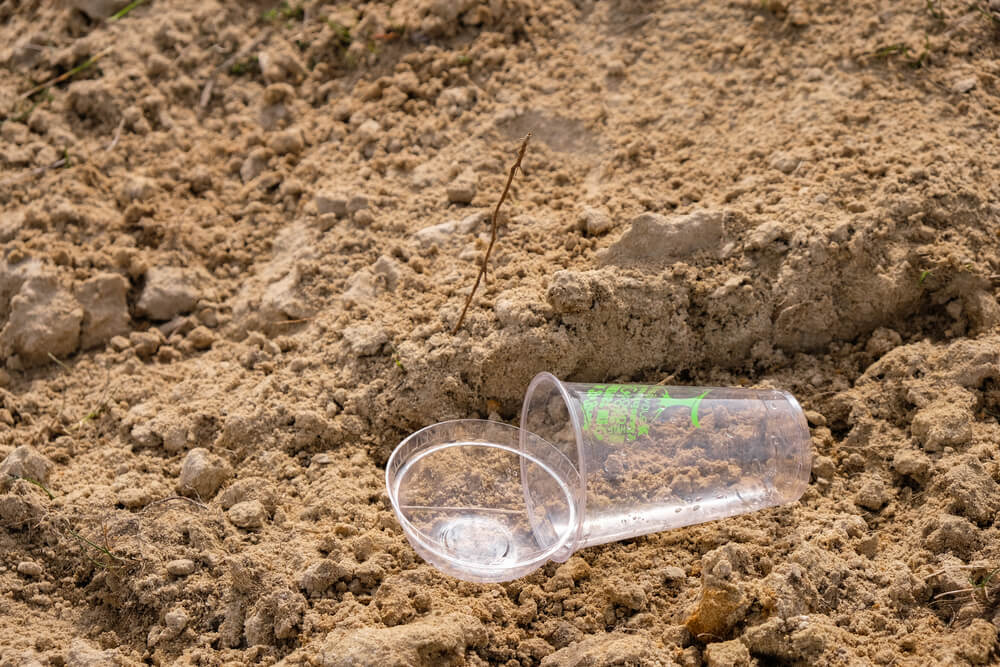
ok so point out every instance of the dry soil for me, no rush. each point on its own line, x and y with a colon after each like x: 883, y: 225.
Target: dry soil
x: 235, y: 238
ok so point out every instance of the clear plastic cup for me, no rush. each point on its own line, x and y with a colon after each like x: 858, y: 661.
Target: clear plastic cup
x: 592, y: 463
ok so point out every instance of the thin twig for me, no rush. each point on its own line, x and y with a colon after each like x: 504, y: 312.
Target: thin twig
x: 62, y: 77
x: 172, y: 498
x: 493, y: 232
x: 118, y: 135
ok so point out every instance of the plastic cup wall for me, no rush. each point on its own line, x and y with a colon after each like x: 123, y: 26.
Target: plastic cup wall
x: 654, y: 458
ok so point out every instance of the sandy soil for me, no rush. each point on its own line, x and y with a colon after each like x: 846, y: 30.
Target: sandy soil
x: 244, y: 235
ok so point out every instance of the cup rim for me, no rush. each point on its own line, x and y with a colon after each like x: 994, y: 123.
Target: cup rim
x: 458, y: 567
x: 581, y: 462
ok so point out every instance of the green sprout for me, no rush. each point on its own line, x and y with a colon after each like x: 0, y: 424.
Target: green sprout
x: 38, y: 484
x: 341, y: 32
x: 284, y: 11
x: 923, y: 276
x: 125, y: 10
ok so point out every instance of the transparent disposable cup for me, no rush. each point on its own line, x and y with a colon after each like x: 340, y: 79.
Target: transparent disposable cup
x: 592, y: 463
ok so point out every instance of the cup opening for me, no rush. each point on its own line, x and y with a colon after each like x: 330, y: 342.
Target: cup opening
x: 548, y: 413
x: 458, y: 491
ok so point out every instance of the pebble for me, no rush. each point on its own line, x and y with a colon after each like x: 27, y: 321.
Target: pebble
x: 29, y: 569
x: 330, y: 202
x: 175, y: 620
x: 995, y: 5
x: 254, y: 165
x: 287, y: 141
x: 368, y: 131
x: 248, y: 514
x: 784, y: 162
x: 105, y: 309
x: 146, y: 343
x: 201, y: 337
x: 44, y: 319
x: 440, y: 233
x: 180, y: 567
x: 965, y: 84
x: 169, y: 291
x: 595, y: 221
x: 203, y: 473
x: 360, y: 288
x: 463, y: 189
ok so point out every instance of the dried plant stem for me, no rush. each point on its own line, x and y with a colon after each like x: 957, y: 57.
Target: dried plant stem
x: 493, y: 232
x: 62, y: 77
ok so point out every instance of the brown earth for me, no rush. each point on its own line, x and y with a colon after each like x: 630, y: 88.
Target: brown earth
x: 245, y: 235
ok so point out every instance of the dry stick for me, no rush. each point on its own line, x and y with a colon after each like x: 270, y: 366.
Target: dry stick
x: 493, y: 232
x: 63, y: 77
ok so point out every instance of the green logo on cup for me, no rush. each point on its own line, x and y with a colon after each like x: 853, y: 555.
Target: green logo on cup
x: 617, y: 413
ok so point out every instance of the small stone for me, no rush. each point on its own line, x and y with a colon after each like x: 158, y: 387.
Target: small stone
x: 202, y: 473
x: 175, y: 620
x: 287, y: 141
x: 29, y: 569
x: 368, y: 131
x: 44, y: 319
x: 331, y: 202
x: 784, y: 163
x: 365, y: 340
x: 25, y: 462
x: 201, y: 338
x: 169, y: 291
x: 995, y: 5
x: 249, y: 514
x: 964, y: 84
x: 254, y: 165
x: 814, y: 418
x: 105, y: 309
x: 360, y: 288
x: 463, y: 189
x: 146, y: 343
x: 595, y: 221
x: 200, y: 179
x: 872, y: 495
x: 763, y: 236
x: 673, y: 574
x: 181, y: 567
x: 440, y: 233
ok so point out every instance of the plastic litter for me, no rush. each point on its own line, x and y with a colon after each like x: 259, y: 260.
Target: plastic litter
x: 592, y: 463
